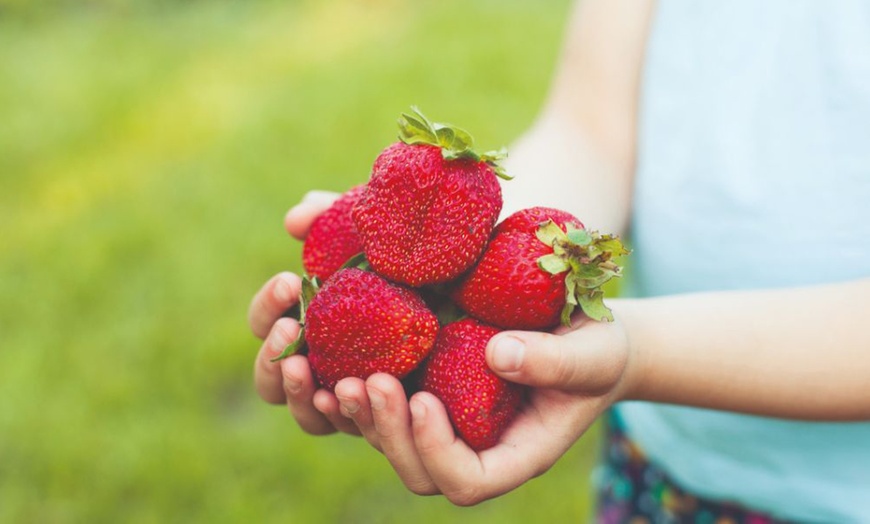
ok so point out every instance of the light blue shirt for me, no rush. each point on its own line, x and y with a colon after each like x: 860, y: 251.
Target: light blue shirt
x: 754, y: 172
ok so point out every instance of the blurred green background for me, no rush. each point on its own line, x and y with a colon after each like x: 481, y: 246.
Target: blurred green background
x: 148, y: 152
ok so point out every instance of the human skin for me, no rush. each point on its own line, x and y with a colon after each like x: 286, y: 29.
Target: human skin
x: 764, y: 352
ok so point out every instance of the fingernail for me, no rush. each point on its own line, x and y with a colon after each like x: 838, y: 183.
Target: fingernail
x: 283, y: 290
x: 278, y: 340
x: 376, y: 399
x: 508, y: 353
x: 350, y: 406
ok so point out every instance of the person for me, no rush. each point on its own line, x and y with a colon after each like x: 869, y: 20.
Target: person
x: 728, y: 141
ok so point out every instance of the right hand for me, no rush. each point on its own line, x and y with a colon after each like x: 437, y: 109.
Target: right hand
x: 575, y: 375
x: 290, y: 381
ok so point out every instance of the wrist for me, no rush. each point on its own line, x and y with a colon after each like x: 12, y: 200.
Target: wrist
x: 626, y: 314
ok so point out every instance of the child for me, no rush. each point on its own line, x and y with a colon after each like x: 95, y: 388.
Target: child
x: 729, y: 141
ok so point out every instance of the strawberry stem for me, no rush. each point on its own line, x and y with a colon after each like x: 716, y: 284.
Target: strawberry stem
x: 455, y: 142
x: 587, y: 257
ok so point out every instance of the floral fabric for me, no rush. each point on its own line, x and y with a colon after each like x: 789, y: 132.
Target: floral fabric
x: 631, y: 490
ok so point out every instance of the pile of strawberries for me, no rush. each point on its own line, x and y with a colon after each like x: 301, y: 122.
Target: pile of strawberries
x: 411, y: 275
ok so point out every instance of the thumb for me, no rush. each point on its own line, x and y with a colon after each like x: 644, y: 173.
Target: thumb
x: 590, y: 359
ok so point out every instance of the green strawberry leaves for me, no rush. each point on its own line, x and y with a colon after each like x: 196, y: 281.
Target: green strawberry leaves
x: 310, y: 286
x: 455, y: 142
x: 358, y: 261
x: 587, y: 257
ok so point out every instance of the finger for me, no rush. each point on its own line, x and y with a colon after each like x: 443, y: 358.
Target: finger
x: 268, y: 379
x: 354, y: 404
x: 392, y: 423
x: 299, y: 218
x: 591, y: 358
x: 453, y: 467
x: 325, y: 402
x: 272, y: 300
x: 528, y: 448
x: 299, y: 390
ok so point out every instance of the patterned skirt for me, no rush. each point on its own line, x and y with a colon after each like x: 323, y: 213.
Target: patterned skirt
x: 629, y: 489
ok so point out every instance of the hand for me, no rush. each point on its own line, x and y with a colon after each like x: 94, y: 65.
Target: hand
x: 290, y: 381
x: 575, y: 375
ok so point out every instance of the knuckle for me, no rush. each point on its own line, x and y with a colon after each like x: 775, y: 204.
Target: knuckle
x: 384, y: 431
x: 387, y: 428
x: 421, y: 487
x: 428, y: 447
x: 282, y: 333
x: 565, y: 368
x: 468, y: 496
x: 317, y: 430
x: 540, y: 470
x: 270, y: 396
x: 312, y: 424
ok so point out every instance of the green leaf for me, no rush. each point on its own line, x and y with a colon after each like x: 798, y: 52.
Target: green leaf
x: 565, y: 317
x: 297, y: 346
x: 559, y: 249
x: 455, y: 142
x: 446, y: 137
x: 593, y: 306
x: 415, y: 131
x: 549, y: 233
x: 612, y: 244
x: 593, y: 282
x: 553, y: 264
x: 294, y: 312
x: 590, y: 256
x: 571, y: 290
x: 309, y: 289
x: 494, y: 156
x: 455, y: 139
x: 358, y: 261
x: 500, y: 172
x: 581, y: 237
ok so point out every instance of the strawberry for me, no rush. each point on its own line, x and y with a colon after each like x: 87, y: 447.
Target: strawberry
x: 481, y: 405
x: 431, y: 204
x: 332, y: 239
x: 539, y: 265
x: 359, y: 324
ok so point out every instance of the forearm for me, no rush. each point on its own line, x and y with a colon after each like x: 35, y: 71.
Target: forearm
x: 800, y: 353
x: 556, y: 165
x: 579, y: 155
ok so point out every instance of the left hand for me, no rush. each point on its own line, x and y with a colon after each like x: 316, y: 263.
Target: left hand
x: 290, y: 381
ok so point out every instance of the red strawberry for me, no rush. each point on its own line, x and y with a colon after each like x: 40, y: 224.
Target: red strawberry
x: 332, y: 239
x: 540, y: 263
x: 431, y: 204
x: 481, y: 405
x: 359, y: 324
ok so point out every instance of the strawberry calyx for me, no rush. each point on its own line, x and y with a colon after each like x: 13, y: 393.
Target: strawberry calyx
x: 310, y: 287
x: 587, y: 256
x: 455, y: 142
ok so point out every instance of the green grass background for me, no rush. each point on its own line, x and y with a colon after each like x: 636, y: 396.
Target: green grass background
x: 148, y: 152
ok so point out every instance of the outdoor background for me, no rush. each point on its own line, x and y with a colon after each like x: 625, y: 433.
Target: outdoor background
x: 148, y: 153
